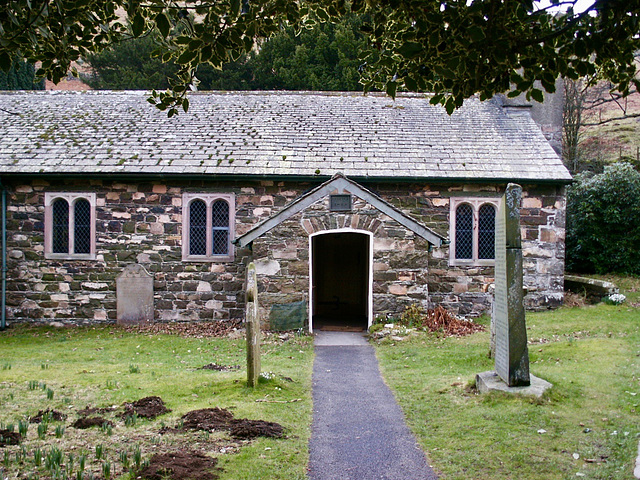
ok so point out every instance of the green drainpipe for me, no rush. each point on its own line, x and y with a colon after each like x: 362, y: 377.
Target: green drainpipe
x: 3, y: 313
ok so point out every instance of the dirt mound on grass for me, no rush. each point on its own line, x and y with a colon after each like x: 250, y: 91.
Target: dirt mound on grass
x: 180, y: 466
x: 7, y: 437
x: 48, y: 416
x: 147, y: 407
x: 248, y: 429
x: 88, y: 422
x: 208, y: 419
x: 220, y: 419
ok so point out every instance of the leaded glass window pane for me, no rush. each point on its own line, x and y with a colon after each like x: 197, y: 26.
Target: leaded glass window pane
x: 464, y: 232
x: 60, y: 226
x: 197, y: 228
x: 220, y: 241
x: 486, y: 231
x: 220, y: 223
x: 82, y: 226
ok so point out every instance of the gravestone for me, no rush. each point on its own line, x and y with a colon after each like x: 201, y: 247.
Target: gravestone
x: 252, y: 324
x: 511, y: 352
x: 134, y: 296
x: 509, y: 331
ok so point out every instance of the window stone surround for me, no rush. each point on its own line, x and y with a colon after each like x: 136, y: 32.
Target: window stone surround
x: 209, y: 199
x: 71, y: 199
x: 475, y: 202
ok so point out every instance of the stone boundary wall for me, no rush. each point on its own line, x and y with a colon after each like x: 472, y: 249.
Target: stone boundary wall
x: 142, y: 222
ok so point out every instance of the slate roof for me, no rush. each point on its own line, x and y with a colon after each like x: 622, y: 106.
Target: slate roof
x: 265, y: 134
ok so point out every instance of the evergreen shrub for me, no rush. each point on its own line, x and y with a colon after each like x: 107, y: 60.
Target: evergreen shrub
x: 603, y: 221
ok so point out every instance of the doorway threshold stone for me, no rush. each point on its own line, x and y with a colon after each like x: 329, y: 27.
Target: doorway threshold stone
x: 333, y: 339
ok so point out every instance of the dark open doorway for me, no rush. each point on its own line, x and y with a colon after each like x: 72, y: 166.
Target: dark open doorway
x: 340, y: 281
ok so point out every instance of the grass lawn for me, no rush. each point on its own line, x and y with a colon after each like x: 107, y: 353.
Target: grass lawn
x: 68, y: 369
x: 587, y: 426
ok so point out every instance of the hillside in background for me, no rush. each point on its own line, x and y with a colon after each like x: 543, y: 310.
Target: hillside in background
x: 614, y: 140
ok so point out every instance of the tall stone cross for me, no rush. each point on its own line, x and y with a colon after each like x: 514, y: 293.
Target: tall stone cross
x: 511, y: 352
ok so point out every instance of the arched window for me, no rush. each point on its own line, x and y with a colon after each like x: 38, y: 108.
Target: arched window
x: 464, y: 231
x: 70, y: 225
x: 208, y: 228
x: 198, y: 228
x: 220, y: 223
x: 82, y: 226
x: 60, y: 226
x: 486, y: 232
x: 473, y: 231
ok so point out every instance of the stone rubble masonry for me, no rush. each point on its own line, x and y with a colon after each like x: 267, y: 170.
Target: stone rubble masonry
x: 142, y: 223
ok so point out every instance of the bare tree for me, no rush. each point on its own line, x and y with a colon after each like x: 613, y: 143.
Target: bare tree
x: 592, y: 102
x: 575, y: 93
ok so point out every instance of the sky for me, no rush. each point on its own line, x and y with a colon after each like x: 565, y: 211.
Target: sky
x: 580, y: 5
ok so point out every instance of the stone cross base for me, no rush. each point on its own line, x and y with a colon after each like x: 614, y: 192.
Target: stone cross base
x: 490, y: 381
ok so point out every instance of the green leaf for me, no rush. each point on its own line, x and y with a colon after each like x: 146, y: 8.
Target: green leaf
x: 411, y: 84
x: 410, y: 49
x: 5, y: 61
x: 137, y: 26
x: 235, y: 8
x: 537, y: 95
x: 322, y: 15
x: 444, y: 72
x: 391, y: 89
x: 187, y: 56
x: 206, y: 53
x: 450, y: 105
x: 162, y: 22
x: 436, y: 99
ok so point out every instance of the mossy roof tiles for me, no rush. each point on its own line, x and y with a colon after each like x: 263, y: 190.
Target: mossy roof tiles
x: 280, y: 134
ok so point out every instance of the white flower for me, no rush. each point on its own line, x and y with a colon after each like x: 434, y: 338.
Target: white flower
x: 616, y: 298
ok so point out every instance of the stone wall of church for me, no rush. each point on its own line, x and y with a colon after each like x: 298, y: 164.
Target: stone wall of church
x: 141, y: 222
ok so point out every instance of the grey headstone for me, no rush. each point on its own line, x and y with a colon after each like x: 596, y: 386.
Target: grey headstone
x: 511, y: 352
x: 290, y: 316
x: 134, y: 296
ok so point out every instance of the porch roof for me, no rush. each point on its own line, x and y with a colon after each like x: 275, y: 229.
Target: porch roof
x: 340, y: 184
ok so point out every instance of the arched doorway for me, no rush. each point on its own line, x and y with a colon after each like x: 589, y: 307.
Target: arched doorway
x: 341, y: 264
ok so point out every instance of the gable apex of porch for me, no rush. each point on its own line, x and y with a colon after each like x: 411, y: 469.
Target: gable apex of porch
x: 339, y: 182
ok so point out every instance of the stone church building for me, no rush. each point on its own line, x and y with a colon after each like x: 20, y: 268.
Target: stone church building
x: 351, y: 206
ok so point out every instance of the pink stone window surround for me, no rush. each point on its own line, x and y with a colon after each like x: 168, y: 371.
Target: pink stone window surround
x: 208, y: 227
x: 70, y: 225
x: 472, y: 231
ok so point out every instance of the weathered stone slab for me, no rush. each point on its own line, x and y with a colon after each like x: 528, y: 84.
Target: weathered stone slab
x: 290, y: 316
x: 511, y: 352
x: 134, y: 296
x: 252, y: 323
x: 591, y: 286
x: 491, y: 381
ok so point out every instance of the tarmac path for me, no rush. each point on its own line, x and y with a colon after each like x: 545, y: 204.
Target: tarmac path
x: 358, y: 430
